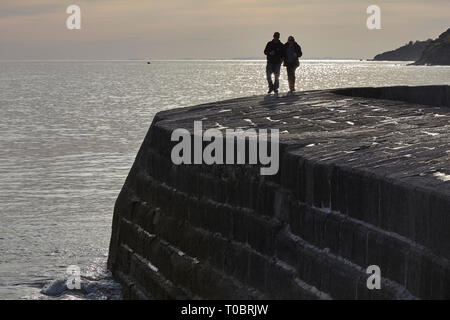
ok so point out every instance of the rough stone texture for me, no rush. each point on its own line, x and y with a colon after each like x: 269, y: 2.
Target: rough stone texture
x: 362, y: 181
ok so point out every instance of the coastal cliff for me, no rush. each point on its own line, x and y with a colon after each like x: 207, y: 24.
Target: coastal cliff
x: 437, y: 52
x: 429, y: 52
x: 362, y: 181
x: 409, y: 52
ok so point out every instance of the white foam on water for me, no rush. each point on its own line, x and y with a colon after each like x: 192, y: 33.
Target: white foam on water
x: 96, y: 283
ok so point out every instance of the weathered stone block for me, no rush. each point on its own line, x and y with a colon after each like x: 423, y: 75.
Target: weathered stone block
x: 343, y: 284
x: 237, y: 262
x: 257, y: 272
x: 322, y: 185
x: 319, y: 227
x: 240, y: 230
x: 261, y: 233
x: 331, y: 234
x: 277, y: 279
x: 359, y: 247
x: 346, y: 238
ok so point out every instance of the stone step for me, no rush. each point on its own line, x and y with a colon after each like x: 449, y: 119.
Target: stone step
x: 294, y: 258
x: 156, y: 257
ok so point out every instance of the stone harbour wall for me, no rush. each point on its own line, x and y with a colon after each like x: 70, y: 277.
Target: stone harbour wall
x: 362, y: 181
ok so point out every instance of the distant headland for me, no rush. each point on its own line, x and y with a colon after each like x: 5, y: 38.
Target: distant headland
x: 428, y: 52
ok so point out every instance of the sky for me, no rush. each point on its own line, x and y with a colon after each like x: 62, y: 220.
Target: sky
x: 212, y: 29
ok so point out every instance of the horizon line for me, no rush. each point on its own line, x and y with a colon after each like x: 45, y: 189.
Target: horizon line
x: 186, y: 59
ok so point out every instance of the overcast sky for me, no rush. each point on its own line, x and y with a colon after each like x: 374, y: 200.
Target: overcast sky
x: 173, y: 29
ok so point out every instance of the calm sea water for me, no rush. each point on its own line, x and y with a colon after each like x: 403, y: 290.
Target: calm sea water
x: 70, y: 130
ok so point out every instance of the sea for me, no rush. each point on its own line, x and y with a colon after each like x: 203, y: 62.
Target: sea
x: 70, y: 131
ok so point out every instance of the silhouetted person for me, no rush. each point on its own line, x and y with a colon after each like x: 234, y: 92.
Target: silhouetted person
x: 292, y: 52
x: 274, y: 52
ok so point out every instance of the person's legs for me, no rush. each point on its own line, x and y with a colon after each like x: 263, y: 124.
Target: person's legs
x: 292, y: 84
x: 291, y: 76
x: 276, y: 71
x: 269, y: 71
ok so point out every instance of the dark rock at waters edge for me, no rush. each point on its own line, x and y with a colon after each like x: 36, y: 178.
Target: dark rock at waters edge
x: 437, y: 52
x: 363, y: 181
x: 409, y: 52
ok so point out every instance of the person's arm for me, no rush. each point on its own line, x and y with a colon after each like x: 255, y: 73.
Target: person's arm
x: 281, y: 47
x: 283, y: 52
x: 266, y: 50
x: 299, y: 51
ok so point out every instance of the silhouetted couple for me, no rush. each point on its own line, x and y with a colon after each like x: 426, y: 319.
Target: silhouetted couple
x: 277, y: 53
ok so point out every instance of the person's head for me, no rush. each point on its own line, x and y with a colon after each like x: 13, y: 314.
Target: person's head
x: 291, y: 40
x: 276, y: 36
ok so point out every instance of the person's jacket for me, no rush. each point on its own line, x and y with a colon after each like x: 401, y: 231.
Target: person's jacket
x: 298, y: 51
x: 278, y: 49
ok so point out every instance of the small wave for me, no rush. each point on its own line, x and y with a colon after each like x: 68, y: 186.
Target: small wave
x: 95, y: 284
